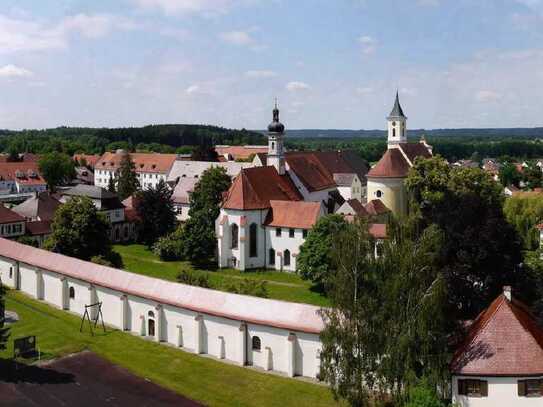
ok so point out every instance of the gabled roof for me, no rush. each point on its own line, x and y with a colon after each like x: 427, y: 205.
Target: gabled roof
x: 91, y: 191
x: 414, y: 150
x: 376, y: 207
x: 504, y: 340
x: 38, y: 228
x: 356, y: 208
x: 261, y: 311
x: 144, y: 162
x: 391, y: 165
x: 183, y: 189
x: 195, y: 169
x: 90, y: 159
x: 289, y: 214
x: 254, y: 188
x: 378, y: 230
x: 42, y: 206
x: 345, y: 180
x: 23, y: 172
x: 8, y: 216
x: 240, y: 152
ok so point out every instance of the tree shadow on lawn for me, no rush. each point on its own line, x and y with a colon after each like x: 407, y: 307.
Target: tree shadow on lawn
x: 15, y: 372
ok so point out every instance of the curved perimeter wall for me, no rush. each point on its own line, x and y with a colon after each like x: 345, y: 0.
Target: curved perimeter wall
x: 272, y: 335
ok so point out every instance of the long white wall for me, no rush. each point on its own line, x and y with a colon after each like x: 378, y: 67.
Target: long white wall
x: 282, y: 350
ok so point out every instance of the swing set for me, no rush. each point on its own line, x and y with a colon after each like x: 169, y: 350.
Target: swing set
x: 92, y: 321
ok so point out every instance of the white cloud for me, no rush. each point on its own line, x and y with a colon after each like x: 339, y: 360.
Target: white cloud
x: 12, y: 71
x: 485, y: 96
x: 237, y: 37
x: 36, y: 35
x: 295, y: 86
x: 187, y: 6
x: 260, y: 74
x: 369, y: 44
x: 192, y: 89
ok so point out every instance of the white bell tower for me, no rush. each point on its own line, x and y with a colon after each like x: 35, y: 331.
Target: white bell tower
x: 397, y: 129
x: 276, y: 155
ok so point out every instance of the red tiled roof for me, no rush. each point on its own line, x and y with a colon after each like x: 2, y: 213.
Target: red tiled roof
x: 40, y: 227
x: 299, y: 214
x: 41, y: 206
x: 144, y: 162
x: 391, y: 165
x: 311, y: 172
x: 504, y: 340
x: 414, y: 150
x: 357, y: 207
x: 254, y: 188
x: 240, y: 152
x: 23, y: 172
x: 90, y: 159
x: 8, y: 216
x: 378, y: 230
x: 376, y: 207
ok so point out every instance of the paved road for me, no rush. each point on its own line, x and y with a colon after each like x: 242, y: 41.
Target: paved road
x: 82, y: 380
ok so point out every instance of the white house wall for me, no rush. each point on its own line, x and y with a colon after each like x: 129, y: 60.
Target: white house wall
x: 502, y: 392
x: 282, y: 350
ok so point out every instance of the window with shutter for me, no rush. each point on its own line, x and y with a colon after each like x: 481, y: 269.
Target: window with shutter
x: 473, y: 388
x: 530, y: 388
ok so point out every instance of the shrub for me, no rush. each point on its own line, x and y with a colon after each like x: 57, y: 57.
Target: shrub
x: 423, y: 395
x: 170, y: 247
x: 190, y: 277
x: 248, y: 286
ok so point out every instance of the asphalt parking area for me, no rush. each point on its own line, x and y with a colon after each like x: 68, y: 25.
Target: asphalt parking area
x: 81, y: 380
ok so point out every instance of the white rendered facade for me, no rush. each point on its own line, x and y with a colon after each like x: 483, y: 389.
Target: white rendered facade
x: 502, y: 392
x: 283, y: 349
x: 146, y: 179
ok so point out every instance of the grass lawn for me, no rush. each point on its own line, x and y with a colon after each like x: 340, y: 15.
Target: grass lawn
x: 280, y: 285
x: 199, y: 378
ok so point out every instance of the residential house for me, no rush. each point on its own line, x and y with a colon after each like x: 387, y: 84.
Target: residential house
x: 151, y: 168
x: 12, y: 224
x: 107, y: 203
x: 238, y: 153
x: 500, y: 364
x: 181, y: 197
x: 38, y: 212
x: 21, y: 177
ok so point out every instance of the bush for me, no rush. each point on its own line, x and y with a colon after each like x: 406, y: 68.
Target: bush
x: 423, y: 395
x: 248, y: 286
x: 112, y: 259
x: 27, y: 240
x: 190, y: 277
x: 170, y: 247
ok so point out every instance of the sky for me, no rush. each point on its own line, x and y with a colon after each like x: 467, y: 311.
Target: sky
x: 330, y: 63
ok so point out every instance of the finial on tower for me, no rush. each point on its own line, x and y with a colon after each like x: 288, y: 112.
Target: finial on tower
x: 397, y: 111
x: 276, y: 126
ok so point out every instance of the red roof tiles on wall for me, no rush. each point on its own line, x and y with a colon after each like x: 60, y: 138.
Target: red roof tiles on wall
x: 274, y: 313
x: 301, y: 215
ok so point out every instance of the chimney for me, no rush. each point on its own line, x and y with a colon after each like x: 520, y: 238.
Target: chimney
x: 507, y: 292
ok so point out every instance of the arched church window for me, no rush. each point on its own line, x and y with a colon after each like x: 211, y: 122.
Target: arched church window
x: 287, y: 257
x: 72, y: 292
x: 394, y: 132
x: 253, y: 240
x: 378, y: 193
x: 273, y: 145
x: 256, y: 343
x: 234, y: 236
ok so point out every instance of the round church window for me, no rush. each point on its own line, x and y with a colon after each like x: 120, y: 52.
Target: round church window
x: 378, y: 194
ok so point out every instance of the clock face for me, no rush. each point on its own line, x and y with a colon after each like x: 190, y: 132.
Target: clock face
x: 394, y: 123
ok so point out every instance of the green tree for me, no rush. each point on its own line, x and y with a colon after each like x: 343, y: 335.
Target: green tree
x: 57, y: 169
x: 4, y: 330
x: 424, y: 395
x: 126, y: 177
x: 199, y: 239
x: 79, y: 230
x: 314, y: 262
x: 387, y: 326
x: 111, y: 184
x: 532, y: 175
x: 481, y: 251
x: 155, y: 208
x: 524, y: 212
x: 509, y: 175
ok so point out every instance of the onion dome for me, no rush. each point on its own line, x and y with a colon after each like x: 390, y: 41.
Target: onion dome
x: 276, y: 126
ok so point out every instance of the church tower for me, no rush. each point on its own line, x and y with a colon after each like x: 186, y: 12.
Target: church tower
x: 276, y: 130
x: 397, y: 132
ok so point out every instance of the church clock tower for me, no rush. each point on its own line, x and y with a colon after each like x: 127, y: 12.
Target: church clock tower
x: 397, y: 131
x: 276, y: 131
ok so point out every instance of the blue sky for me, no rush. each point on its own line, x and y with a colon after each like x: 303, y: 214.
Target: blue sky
x: 331, y: 63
